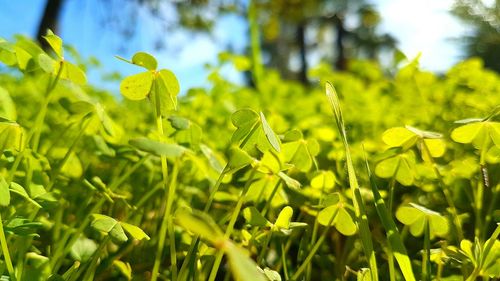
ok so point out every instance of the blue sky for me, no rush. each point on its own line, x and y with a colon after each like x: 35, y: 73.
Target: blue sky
x: 419, y: 26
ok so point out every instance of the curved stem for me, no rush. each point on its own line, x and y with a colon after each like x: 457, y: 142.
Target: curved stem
x: 231, y: 224
x: 5, y: 251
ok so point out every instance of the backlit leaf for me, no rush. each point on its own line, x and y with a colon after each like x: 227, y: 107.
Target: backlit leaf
x: 134, y: 231
x: 138, y: 86
x: 55, y: 43
x: 254, y: 218
x: 437, y: 147
x: 270, y: 135
x: 4, y: 192
x: 467, y: 133
x: 242, y: 267
x: 145, y: 60
x: 171, y: 150
x: 7, y: 106
x: 199, y: 223
x: 284, y: 218
x: 399, y: 137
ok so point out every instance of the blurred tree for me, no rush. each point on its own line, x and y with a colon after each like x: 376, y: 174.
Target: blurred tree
x: 484, y: 18
x: 291, y: 29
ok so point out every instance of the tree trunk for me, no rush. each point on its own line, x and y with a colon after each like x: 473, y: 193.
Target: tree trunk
x: 49, y: 20
x: 301, y: 41
x: 341, y: 61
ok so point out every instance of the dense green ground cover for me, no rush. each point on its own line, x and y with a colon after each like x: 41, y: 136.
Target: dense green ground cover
x: 233, y: 182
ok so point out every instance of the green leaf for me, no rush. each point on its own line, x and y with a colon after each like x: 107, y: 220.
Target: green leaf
x: 145, y: 60
x: 290, y: 182
x: 83, y: 249
x: 201, y: 224
x: 7, y: 106
x: 344, y: 223
x: 324, y: 180
x: 284, y: 218
x: 55, y: 43
x: 494, y: 128
x: 242, y: 267
x: 394, y: 239
x: 415, y: 216
x: 400, y: 166
x: 103, y: 223
x: 215, y: 162
x: 437, y: 147
x: 270, y: 135
x: 124, y: 268
x: 328, y: 214
x: 134, y: 231
x: 171, y: 82
x: 399, y: 137
x: 467, y: 133
x: 46, y: 63
x: 117, y: 234
x: 11, y: 135
x: 271, y: 275
x: 73, y: 73
x: 407, y: 215
x: 109, y: 226
x: 138, y: 86
x: 4, y: 193
x: 359, y: 205
x: 243, y: 117
x: 19, y: 190
x: 23, y: 227
x: 254, y: 218
x: 23, y: 57
x: 179, y: 123
x: 170, y: 150
x: 364, y: 275
x: 167, y: 88
x: 238, y: 158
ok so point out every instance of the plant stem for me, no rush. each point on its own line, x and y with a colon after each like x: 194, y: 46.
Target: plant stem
x: 164, y: 228
x: 283, y: 261
x: 489, y: 213
x: 37, y: 129
x: 426, y: 258
x: 481, y: 184
x: 93, y: 263
x: 194, y: 242
x: 447, y: 195
x: 315, y: 248
x: 230, y: 226
x: 5, y: 251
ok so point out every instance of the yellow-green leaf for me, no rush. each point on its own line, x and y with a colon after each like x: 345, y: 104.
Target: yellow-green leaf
x: 138, y: 86
x: 399, y: 137
x: 55, y: 43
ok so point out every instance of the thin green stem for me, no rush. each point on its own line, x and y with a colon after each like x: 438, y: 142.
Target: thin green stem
x: 89, y: 273
x: 5, y: 251
x: 447, y: 195
x: 231, y: 224
x: 264, y: 248
x: 283, y: 262
x: 426, y: 256
x: 164, y: 228
x: 37, y: 129
x: 491, y: 207
x: 193, y: 246
x: 314, y: 249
